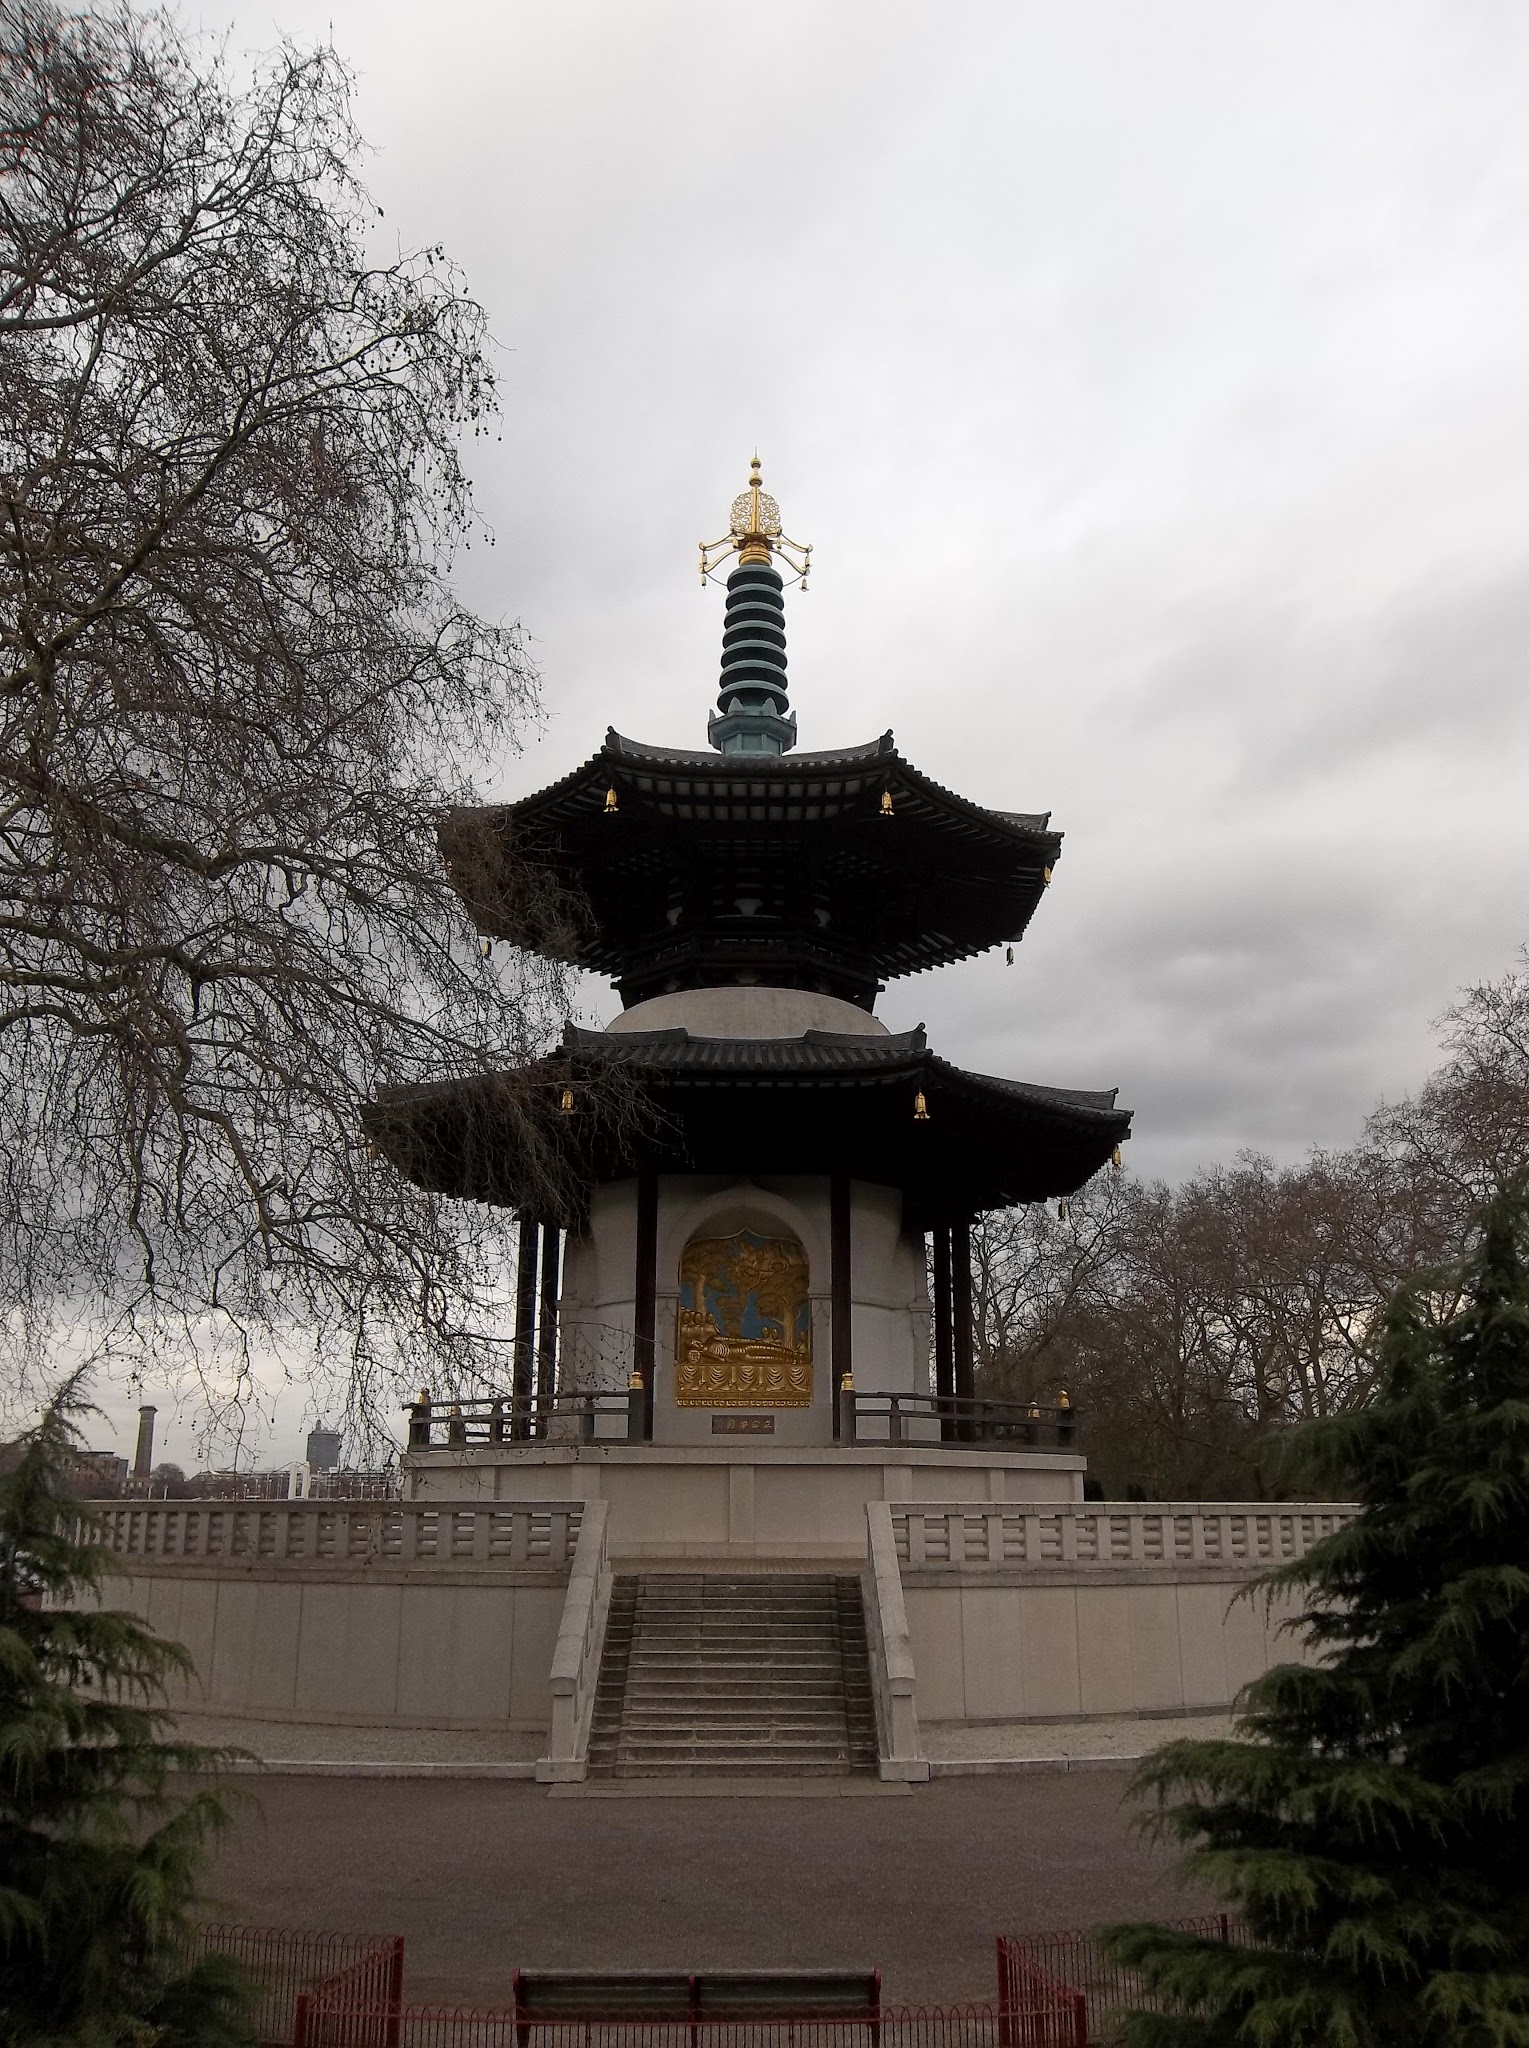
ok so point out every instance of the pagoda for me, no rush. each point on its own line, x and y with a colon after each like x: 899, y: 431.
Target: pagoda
x: 749, y: 1258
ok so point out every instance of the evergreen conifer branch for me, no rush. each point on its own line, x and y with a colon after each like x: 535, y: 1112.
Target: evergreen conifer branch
x: 99, y: 1850
x: 1371, y: 1824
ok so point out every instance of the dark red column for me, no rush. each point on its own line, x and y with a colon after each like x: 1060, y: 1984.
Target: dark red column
x: 961, y: 1310
x: 645, y: 1290
x: 524, y: 1352
x: 840, y: 1296
x: 944, y: 1375
x: 546, y: 1348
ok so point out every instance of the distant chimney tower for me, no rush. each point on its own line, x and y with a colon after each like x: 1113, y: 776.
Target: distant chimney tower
x: 143, y: 1457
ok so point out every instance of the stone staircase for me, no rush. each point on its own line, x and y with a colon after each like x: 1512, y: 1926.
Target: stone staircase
x: 738, y: 1677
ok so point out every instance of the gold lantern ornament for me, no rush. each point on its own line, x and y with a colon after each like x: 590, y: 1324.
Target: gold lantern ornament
x: 920, y: 1108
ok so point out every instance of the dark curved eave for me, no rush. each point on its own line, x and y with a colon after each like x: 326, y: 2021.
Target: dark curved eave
x: 964, y: 878
x: 813, y: 1105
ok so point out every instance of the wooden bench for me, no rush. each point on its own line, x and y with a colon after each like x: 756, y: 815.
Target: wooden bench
x: 548, y: 1997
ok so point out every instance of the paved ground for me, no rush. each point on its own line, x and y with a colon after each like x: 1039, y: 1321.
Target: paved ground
x: 1116, y: 1735
x: 484, y: 1875
x: 1123, y: 1735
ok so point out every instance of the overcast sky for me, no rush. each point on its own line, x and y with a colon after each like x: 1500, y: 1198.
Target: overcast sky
x: 1152, y: 381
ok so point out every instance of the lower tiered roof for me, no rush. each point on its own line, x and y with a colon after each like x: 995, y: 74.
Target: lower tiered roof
x: 817, y: 1104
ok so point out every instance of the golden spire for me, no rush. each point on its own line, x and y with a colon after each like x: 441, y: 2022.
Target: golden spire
x: 754, y: 535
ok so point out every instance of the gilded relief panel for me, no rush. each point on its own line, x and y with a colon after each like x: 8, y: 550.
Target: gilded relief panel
x: 744, y: 1334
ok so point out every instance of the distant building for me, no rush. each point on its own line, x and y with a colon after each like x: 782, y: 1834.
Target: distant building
x: 94, y: 1474
x: 323, y: 1452
x: 99, y: 1475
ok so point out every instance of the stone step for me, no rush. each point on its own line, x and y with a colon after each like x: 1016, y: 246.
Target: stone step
x: 756, y: 1659
x: 741, y: 1743
x: 728, y: 1767
x: 705, y: 1675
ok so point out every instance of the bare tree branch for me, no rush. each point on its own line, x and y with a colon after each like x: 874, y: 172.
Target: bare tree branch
x: 233, y: 682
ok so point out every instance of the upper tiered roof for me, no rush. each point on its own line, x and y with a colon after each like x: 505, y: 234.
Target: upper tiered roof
x: 832, y: 871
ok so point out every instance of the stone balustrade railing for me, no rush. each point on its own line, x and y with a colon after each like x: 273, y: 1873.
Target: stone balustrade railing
x: 1167, y: 1535
x: 493, y: 1535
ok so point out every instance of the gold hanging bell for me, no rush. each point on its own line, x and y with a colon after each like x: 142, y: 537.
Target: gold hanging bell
x: 886, y: 803
x: 920, y: 1108
x: 611, y: 804
x: 565, y: 1105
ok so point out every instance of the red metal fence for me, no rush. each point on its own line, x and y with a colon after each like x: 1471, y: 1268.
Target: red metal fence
x: 423, y: 2026
x: 360, y: 2006
x: 317, y: 1990
x: 1063, y: 1991
x: 1035, y: 2009
x: 285, y: 1964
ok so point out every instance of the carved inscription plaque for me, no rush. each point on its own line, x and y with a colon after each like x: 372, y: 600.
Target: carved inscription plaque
x: 744, y: 1334
x: 743, y: 1425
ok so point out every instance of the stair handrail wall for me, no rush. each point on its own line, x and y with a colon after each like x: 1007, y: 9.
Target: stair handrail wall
x: 577, y: 1653
x: 893, y: 1681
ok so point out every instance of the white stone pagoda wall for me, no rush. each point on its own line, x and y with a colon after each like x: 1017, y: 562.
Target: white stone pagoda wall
x: 890, y: 1311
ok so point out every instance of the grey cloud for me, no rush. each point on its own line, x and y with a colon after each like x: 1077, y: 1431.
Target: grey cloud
x: 1150, y: 381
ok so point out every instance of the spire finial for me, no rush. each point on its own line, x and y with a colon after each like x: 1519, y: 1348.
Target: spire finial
x: 753, y: 714
x: 754, y: 533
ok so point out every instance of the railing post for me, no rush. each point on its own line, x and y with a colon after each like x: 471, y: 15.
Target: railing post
x: 636, y: 1408
x: 1005, y: 2023
x: 395, y: 1994
x: 1079, y: 2003
x: 419, y: 1422
x: 846, y: 1410
x: 302, y: 2019
x: 496, y: 1423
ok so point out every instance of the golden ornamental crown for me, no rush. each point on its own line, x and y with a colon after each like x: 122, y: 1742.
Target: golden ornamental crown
x: 754, y: 534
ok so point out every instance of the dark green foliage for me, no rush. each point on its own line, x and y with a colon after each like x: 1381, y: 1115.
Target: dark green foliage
x: 1373, y: 1827
x: 98, y: 1857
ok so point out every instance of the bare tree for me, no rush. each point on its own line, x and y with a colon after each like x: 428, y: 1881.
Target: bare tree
x: 1195, y: 1325
x: 234, y: 682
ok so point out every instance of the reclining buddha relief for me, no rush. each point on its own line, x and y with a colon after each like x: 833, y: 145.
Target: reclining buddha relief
x: 743, y: 1338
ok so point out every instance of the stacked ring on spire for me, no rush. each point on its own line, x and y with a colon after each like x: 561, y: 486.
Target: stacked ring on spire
x: 753, y: 712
